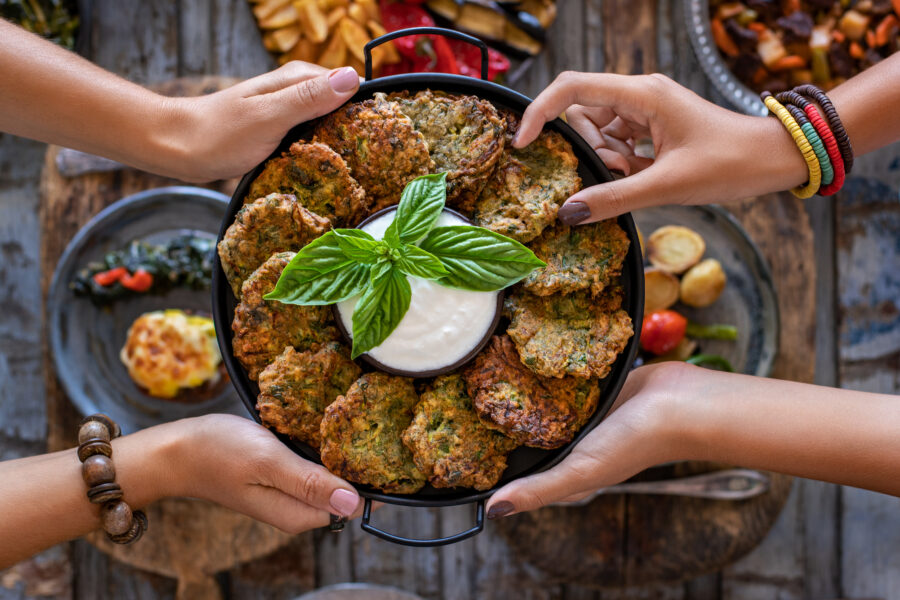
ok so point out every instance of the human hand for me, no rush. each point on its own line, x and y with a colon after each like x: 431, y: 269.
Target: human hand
x: 226, y: 134
x: 641, y: 430
x: 703, y: 153
x: 241, y: 465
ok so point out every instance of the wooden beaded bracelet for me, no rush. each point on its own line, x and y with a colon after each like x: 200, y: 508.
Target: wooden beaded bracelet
x: 809, y: 155
x: 825, y: 133
x: 121, y: 524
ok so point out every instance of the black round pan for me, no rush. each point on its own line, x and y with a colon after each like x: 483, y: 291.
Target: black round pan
x: 523, y: 461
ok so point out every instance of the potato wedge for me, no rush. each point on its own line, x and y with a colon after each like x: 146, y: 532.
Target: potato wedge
x: 355, y: 37
x: 334, y: 54
x: 357, y: 64
x: 371, y: 8
x: 703, y: 283
x: 357, y: 13
x: 674, y: 248
x: 389, y: 52
x: 285, y: 38
x: 283, y: 17
x: 448, y: 9
x: 328, y: 5
x: 660, y: 290
x: 267, y: 8
x: 312, y: 20
x: 304, y: 50
x: 334, y: 17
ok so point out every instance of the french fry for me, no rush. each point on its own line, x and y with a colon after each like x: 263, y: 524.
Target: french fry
x: 371, y: 8
x: 329, y: 5
x: 285, y: 38
x: 285, y: 16
x: 304, y: 50
x: 335, y: 16
x: 357, y: 13
x: 268, y: 7
x: 357, y: 65
x: 334, y: 53
x: 355, y: 37
x: 269, y: 41
x: 312, y: 20
x: 389, y: 52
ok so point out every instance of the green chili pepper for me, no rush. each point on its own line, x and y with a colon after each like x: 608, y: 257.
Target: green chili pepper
x: 711, y: 332
x: 711, y: 360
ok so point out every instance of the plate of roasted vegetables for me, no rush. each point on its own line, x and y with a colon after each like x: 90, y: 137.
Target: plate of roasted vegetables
x: 129, y: 311
x: 708, y: 294
x: 333, y: 33
x: 756, y: 45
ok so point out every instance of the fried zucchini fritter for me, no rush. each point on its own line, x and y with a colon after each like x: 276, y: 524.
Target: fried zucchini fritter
x: 465, y: 137
x: 578, y: 258
x: 533, y: 410
x: 320, y: 180
x: 295, y: 389
x: 450, y: 444
x: 361, y: 434
x: 379, y: 144
x: 276, y: 223
x: 264, y: 328
x: 570, y: 334
x: 528, y: 186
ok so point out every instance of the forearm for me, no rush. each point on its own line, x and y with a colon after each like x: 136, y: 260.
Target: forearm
x: 869, y: 106
x: 836, y: 435
x: 43, y: 501
x: 55, y: 96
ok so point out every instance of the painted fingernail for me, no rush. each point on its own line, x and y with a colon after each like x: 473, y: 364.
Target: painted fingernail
x: 344, y: 502
x: 343, y: 80
x: 501, y: 509
x: 573, y: 213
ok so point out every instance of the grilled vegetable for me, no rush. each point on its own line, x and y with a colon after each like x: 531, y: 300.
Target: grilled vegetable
x: 703, y: 283
x: 662, y: 331
x: 674, y: 248
x: 660, y: 290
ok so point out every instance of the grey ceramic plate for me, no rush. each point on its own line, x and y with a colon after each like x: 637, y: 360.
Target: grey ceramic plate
x: 85, y: 339
x: 696, y: 16
x: 749, y: 300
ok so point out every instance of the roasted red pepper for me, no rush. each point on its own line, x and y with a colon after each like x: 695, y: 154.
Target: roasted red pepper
x: 469, y: 59
x: 426, y: 52
x: 662, y: 330
x: 141, y: 281
x: 107, y: 278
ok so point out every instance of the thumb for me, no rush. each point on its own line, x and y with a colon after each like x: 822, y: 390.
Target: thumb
x: 311, y: 483
x: 654, y: 186
x: 571, y: 477
x: 314, y: 97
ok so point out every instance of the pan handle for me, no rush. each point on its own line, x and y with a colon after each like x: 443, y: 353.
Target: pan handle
x: 426, y: 30
x: 418, y: 543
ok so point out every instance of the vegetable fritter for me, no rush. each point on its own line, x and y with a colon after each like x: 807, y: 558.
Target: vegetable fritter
x: 535, y: 411
x: 319, y: 178
x: 465, y: 137
x: 361, y: 434
x: 578, y: 258
x: 526, y: 190
x: 450, y: 444
x: 264, y: 328
x: 381, y: 147
x: 295, y: 389
x: 276, y: 223
x: 570, y: 334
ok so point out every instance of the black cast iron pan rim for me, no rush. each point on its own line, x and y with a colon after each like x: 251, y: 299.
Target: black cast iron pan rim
x: 588, y: 160
x: 489, y: 333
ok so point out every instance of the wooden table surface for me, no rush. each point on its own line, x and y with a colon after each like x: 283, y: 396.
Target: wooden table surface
x: 829, y: 542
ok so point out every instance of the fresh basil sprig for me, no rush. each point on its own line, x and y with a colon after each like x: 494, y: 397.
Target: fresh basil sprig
x: 345, y: 263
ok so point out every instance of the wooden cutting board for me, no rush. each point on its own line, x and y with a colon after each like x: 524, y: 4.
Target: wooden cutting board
x: 639, y: 539
x: 190, y: 540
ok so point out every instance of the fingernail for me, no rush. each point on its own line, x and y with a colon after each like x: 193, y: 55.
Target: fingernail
x: 573, y: 213
x: 501, y: 509
x: 344, y: 502
x: 343, y: 80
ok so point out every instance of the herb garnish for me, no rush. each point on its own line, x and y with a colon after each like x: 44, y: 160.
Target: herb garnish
x: 345, y: 263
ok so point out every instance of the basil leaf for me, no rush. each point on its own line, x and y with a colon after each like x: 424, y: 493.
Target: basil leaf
x: 479, y: 259
x: 323, y: 254
x: 379, y: 311
x: 360, y: 248
x: 414, y: 261
x: 421, y: 203
x: 308, y: 287
x: 380, y: 268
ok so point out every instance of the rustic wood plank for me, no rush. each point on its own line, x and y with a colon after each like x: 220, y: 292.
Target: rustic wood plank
x: 629, y: 40
x: 98, y: 576
x: 333, y: 556
x: 237, y: 49
x: 46, y: 575
x: 282, y: 575
x: 566, y: 52
x: 195, y: 37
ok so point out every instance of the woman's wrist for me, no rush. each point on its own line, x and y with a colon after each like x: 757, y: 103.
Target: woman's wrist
x: 150, y: 463
x: 778, y: 163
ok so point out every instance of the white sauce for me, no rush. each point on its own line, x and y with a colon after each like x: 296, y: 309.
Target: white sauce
x: 442, y: 324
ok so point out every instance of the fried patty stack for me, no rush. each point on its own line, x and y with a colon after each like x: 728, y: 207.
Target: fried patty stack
x: 536, y: 384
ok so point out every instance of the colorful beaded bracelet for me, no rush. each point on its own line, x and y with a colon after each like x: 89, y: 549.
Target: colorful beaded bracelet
x: 121, y: 524
x: 812, y: 161
x: 815, y: 141
x: 834, y: 121
x: 824, y: 131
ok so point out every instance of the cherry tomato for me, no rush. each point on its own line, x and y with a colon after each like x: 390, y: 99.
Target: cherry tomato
x: 662, y: 330
x: 107, y: 278
x: 141, y: 281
